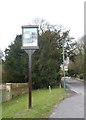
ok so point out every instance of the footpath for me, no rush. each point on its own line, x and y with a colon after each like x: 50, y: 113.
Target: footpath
x: 71, y: 107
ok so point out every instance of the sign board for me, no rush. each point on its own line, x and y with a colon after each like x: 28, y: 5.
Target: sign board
x: 29, y: 36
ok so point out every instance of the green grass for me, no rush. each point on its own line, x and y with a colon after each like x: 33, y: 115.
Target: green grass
x: 42, y: 105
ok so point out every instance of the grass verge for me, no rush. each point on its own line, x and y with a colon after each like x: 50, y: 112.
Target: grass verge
x: 42, y: 104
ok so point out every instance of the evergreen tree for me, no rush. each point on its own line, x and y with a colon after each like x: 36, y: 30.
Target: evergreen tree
x: 15, y: 62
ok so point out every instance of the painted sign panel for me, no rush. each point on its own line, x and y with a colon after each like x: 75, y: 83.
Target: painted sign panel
x: 30, y: 37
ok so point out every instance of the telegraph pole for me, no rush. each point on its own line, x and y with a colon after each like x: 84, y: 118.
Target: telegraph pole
x: 63, y: 67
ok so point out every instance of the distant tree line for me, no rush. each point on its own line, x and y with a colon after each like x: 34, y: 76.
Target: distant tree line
x: 76, y: 66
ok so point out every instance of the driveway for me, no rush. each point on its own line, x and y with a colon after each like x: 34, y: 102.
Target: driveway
x: 72, y: 107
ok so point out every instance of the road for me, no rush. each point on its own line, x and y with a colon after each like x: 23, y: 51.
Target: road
x: 76, y: 86
x: 0, y: 96
x: 73, y: 106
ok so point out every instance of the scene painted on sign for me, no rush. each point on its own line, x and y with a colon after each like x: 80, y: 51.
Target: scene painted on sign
x: 30, y: 37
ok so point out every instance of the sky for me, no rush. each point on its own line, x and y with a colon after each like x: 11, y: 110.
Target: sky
x: 16, y: 13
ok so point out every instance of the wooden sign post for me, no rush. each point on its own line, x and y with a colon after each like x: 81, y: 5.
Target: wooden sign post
x: 30, y: 44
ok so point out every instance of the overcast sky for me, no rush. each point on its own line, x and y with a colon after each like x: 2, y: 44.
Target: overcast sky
x: 15, y: 13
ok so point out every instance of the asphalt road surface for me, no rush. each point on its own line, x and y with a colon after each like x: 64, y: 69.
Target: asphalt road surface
x: 73, y: 106
x: 0, y: 96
